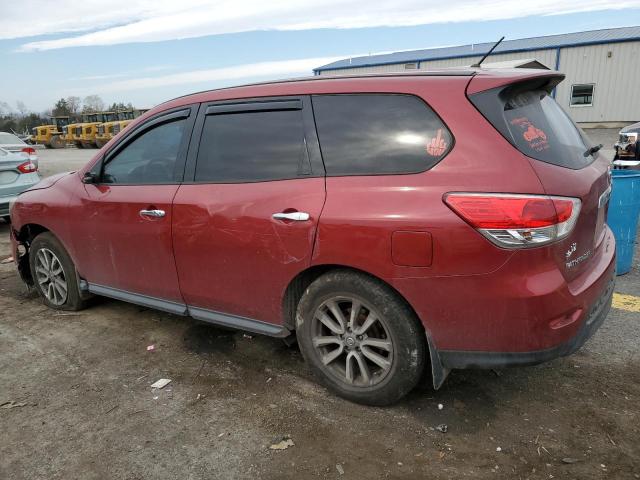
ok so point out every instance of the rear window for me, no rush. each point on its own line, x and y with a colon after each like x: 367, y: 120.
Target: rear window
x: 536, y: 125
x: 377, y: 134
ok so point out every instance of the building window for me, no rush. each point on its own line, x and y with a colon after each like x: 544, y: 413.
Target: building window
x: 410, y: 66
x: 582, y: 95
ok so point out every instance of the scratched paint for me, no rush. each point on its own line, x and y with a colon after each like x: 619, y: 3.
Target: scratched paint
x: 630, y: 303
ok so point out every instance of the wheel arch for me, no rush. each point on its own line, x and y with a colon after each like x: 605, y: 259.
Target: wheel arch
x: 297, y: 286
x: 25, y: 236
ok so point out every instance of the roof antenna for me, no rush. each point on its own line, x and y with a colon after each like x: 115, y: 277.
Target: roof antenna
x: 477, y: 65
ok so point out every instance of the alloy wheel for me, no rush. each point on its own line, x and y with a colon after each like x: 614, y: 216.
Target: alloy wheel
x: 50, y: 276
x: 352, y: 341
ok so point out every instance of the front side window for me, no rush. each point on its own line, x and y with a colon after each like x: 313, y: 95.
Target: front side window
x: 582, y: 95
x: 366, y: 134
x: 252, y: 147
x: 150, y: 158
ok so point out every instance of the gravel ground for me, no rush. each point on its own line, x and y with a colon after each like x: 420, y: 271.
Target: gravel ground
x: 89, y: 411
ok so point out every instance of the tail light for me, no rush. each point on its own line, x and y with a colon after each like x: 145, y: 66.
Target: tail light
x: 517, y: 221
x: 28, y: 167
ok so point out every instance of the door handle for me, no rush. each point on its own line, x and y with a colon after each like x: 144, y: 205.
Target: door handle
x: 294, y: 216
x: 152, y: 213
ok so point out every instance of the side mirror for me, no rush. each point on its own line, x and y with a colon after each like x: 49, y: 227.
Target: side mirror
x: 90, y: 177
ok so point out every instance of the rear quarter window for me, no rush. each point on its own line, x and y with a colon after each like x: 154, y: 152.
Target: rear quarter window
x: 375, y: 134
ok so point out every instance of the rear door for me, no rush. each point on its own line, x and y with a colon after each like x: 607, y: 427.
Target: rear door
x: 245, y: 224
x: 559, y: 152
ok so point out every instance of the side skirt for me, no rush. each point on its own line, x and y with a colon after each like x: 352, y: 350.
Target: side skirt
x: 209, y: 316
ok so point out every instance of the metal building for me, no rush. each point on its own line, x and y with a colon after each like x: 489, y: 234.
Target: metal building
x: 602, y: 68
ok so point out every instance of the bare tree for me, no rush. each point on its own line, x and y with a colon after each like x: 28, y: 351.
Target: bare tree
x: 22, y: 108
x: 5, y: 108
x: 74, y: 104
x: 92, y: 103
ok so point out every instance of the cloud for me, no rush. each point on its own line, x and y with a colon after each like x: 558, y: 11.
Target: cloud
x: 125, y: 21
x: 261, y: 70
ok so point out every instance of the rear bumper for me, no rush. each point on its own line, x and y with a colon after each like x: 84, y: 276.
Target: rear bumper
x: 593, y: 320
x: 5, y: 203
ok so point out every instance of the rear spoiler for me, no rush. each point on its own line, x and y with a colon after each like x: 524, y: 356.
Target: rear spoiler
x: 546, y: 79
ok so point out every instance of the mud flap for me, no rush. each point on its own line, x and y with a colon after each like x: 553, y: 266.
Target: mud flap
x: 438, y: 372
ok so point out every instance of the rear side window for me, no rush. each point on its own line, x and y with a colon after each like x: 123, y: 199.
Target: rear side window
x: 536, y: 125
x: 252, y: 147
x: 376, y: 134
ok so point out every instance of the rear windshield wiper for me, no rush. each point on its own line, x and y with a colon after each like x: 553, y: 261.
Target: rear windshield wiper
x: 593, y: 150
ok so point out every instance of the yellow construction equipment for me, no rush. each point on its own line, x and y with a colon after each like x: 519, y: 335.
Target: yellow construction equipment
x: 84, y: 134
x: 105, y: 130
x: 109, y: 129
x: 51, y: 135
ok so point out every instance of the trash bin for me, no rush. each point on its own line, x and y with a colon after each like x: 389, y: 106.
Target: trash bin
x: 624, y: 208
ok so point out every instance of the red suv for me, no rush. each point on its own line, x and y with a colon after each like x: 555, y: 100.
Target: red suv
x: 454, y: 219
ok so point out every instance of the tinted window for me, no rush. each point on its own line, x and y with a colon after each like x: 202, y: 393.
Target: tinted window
x: 150, y: 158
x: 252, y: 146
x: 542, y: 130
x: 378, y: 134
x: 535, y: 124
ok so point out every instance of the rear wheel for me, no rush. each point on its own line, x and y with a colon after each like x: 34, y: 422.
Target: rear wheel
x: 79, y: 144
x: 54, y: 274
x: 361, y: 340
x: 100, y: 143
x: 7, y: 218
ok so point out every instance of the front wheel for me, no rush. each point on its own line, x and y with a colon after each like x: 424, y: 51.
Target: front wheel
x: 360, y: 339
x: 54, y: 274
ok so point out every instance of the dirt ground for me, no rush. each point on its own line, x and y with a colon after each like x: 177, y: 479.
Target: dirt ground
x: 89, y: 411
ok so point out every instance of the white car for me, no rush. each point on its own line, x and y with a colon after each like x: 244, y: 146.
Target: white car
x: 18, y: 172
x: 12, y: 142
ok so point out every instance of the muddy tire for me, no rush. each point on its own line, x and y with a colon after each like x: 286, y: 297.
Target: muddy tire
x: 56, y: 142
x: 54, y: 274
x: 360, y: 339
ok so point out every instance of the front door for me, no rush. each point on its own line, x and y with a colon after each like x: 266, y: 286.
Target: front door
x: 125, y: 216
x: 246, y: 225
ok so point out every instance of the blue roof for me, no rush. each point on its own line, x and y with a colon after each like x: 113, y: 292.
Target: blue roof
x: 592, y: 37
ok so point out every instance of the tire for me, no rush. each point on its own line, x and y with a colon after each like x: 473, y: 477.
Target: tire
x: 7, y: 219
x: 400, y: 346
x: 79, y: 144
x: 100, y: 143
x: 45, y: 247
x: 57, y: 142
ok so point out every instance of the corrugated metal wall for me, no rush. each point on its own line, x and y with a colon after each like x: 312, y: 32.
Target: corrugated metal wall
x: 616, y: 94
x: 616, y: 76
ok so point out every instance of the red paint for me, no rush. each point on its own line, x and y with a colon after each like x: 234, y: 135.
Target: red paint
x: 412, y: 249
x: 220, y: 249
x: 232, y: 256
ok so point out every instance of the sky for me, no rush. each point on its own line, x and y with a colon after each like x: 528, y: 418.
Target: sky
x: 148, y: 51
